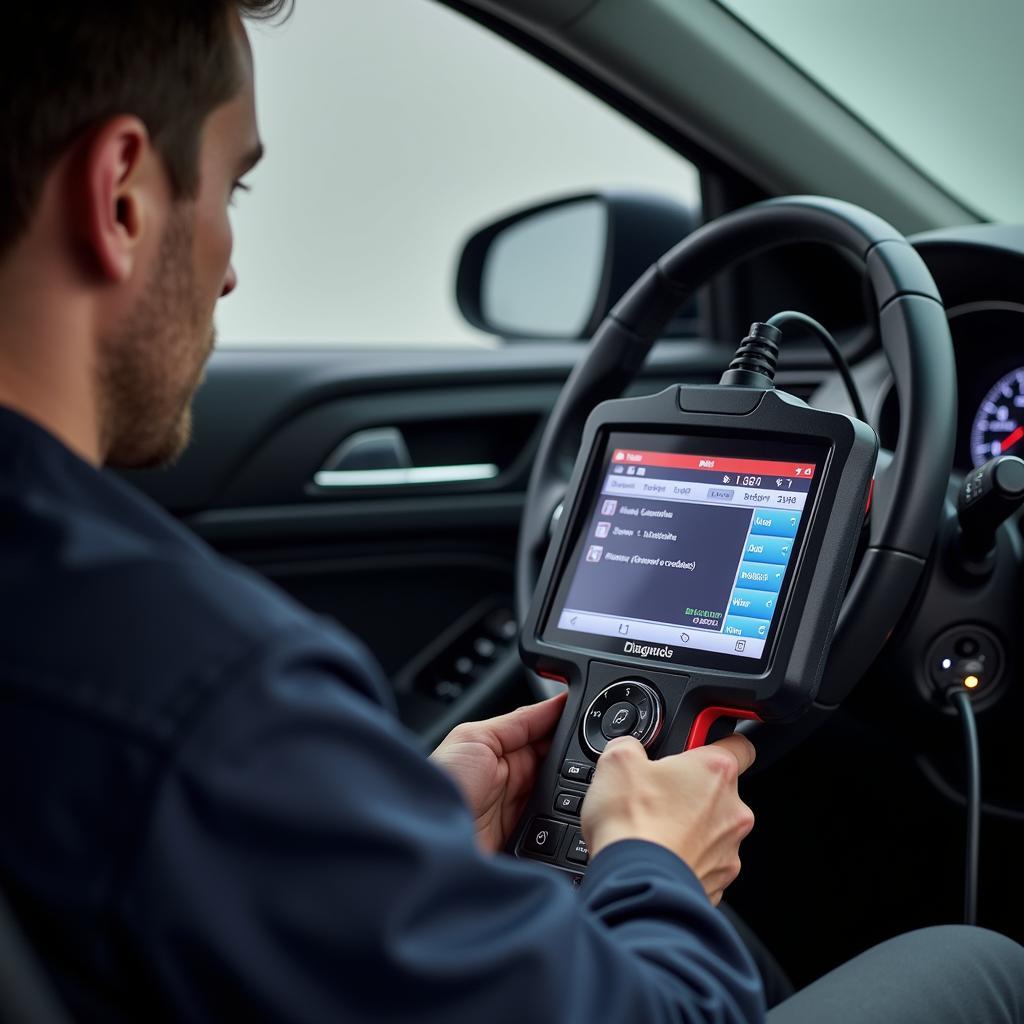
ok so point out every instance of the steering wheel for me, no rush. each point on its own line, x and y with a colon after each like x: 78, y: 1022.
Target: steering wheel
x: 909, y: 488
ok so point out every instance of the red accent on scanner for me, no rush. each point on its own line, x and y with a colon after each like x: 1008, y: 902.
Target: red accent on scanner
x: 554, y: 678
x: 707, y: 718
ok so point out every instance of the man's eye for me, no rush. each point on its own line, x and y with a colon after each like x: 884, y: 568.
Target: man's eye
x: 239, y: 186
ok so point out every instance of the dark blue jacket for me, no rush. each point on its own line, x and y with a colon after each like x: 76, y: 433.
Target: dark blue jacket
x: 209, y: 812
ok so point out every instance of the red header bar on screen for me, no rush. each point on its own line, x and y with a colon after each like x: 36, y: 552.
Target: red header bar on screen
x: 714, y: 463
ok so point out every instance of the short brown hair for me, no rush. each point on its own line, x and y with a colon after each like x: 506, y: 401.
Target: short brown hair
x: 68, y: 65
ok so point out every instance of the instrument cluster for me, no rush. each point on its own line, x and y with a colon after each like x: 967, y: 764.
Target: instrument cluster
x: 989, y: 342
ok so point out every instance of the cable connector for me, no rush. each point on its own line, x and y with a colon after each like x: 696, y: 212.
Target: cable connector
x: 753, y: 366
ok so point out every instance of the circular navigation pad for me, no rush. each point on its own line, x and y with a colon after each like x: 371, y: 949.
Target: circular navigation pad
x: 619, y: 719
x: 626, y: 708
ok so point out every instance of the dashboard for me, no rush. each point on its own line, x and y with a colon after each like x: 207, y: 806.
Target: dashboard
x: 979, y: 270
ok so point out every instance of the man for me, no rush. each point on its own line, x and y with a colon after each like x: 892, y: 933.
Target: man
x: 209, y: 811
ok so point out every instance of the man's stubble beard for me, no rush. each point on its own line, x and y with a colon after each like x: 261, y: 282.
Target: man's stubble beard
x: 151, y: 366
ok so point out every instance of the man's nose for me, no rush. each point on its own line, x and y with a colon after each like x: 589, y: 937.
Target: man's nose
x: 230, y: 281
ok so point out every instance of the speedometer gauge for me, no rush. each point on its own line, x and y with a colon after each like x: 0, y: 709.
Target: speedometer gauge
x: 998, y: 427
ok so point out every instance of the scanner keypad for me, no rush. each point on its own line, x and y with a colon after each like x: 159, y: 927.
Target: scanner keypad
x: 626, y: 708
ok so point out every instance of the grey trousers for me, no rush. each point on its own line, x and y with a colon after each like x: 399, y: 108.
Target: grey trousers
x: 947, y: 975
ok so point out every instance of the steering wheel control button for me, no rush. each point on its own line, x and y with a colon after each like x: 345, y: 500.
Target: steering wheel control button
x: 619, y: 719
x: 464, y: 666
x: 569, y: 803
x: 484, y: 648
x: 577, y: 771
x: 544, y: 836
x: 626, y: 708
x: 578, y: 852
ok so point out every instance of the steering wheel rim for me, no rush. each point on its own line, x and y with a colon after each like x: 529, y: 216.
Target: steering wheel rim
x: 908, y: 492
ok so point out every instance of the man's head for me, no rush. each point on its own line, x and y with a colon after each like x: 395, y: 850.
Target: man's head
x: 125, y: 128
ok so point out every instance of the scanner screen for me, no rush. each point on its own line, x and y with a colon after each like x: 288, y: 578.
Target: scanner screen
x: 688, y: 545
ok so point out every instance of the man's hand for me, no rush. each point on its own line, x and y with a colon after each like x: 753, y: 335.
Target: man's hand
x: 495, y: 764
x: 688, y: 803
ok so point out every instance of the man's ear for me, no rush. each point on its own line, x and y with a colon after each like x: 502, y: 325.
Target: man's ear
x: 115, y: 196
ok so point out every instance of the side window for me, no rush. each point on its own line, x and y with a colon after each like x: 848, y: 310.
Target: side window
x: 393, y: 132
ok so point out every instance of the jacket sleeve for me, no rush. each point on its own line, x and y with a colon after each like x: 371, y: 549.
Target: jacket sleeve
x: 304, y: 862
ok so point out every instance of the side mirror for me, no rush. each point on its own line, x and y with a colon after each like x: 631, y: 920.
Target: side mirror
x: 554, y: 270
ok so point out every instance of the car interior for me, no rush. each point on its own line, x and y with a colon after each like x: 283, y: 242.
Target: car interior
x: 386, y: 486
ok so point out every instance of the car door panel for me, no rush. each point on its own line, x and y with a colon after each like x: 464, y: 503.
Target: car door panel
x: 405, y: 567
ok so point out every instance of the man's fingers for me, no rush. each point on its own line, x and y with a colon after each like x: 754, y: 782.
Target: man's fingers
x: 541, y: 718
x: 740, y: 747
x: 622, y: 747
x: 526, y: 725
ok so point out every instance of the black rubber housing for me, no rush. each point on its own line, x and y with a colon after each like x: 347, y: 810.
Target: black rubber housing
x: 785, y: 688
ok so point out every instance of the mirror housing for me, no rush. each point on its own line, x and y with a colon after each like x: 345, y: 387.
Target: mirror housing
x: 555, y: 269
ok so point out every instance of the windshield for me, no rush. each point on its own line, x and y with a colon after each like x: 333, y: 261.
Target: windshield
x: 939, y: 80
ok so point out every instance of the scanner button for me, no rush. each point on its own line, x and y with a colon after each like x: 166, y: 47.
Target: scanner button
x: 568, y: 803
x: 619, y: 719
x: 578, y: 852
x: 577, y: 771
x: 543, y: 836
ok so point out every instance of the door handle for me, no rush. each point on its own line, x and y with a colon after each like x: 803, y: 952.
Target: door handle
x: 404, y: 477
x: 380, y: 458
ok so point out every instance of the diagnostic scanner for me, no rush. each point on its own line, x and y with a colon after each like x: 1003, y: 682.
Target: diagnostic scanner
x: 695, y: 576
